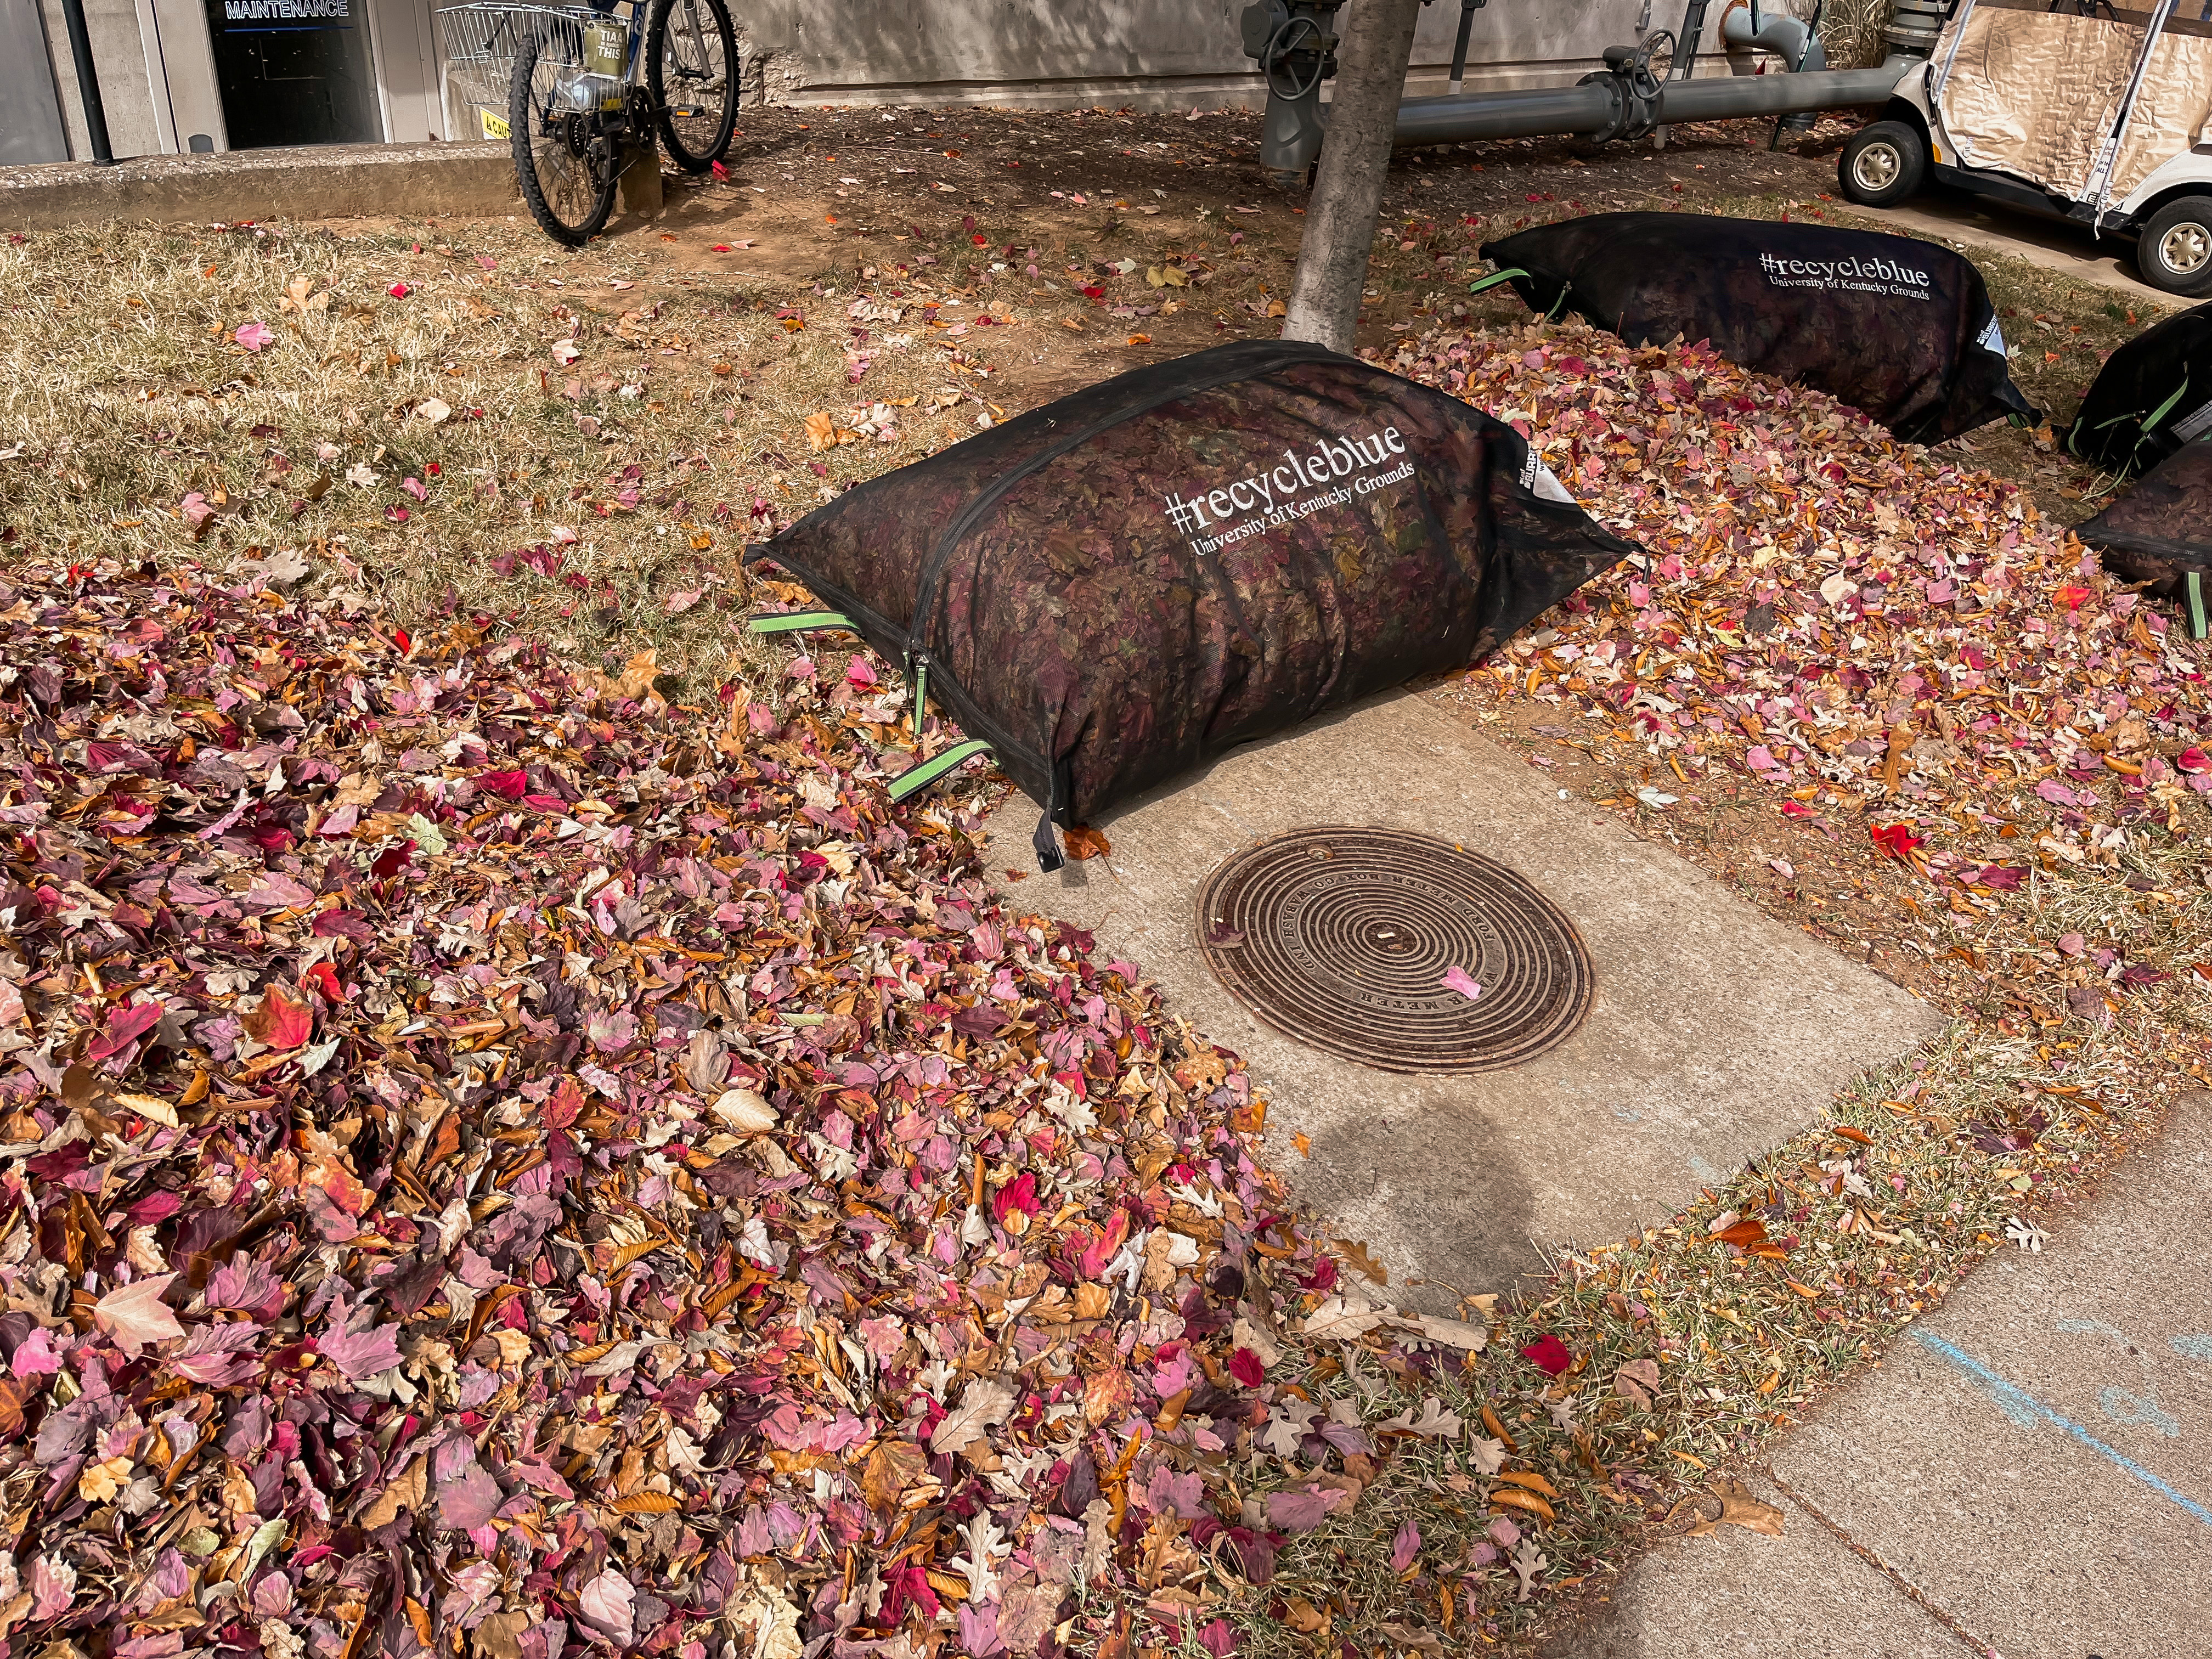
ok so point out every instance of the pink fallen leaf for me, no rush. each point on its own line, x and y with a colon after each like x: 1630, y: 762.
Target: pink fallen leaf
x: 1303, y: 1510
x: 1458, y: 979
x: 362, y: 1354
x: 254, y: 336
x: 123, y: 1026
x: 1405, y: 1546
x: 608, y: 1604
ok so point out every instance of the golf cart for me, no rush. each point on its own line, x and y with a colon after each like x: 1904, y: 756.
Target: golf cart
x: 2067, y: 106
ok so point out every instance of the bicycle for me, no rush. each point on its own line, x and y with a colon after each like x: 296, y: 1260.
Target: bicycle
x: 582, y: 91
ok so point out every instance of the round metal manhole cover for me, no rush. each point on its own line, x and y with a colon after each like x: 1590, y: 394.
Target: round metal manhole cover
x: 1346, y: 939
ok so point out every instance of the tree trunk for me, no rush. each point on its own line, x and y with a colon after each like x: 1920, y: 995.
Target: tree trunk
x: 1347, y: 198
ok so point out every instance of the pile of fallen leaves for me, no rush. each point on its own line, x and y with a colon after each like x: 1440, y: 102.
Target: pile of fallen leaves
x: 494, y: 1162
x: 1845, y: 617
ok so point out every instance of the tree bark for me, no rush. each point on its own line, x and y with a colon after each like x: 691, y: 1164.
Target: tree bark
x: 1377, y: 41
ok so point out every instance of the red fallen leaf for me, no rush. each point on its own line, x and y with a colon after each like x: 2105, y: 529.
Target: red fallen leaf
x: 1796, y: 809
x: 324, y: 979
x: 1323, y: 1277
x: 399, y: 290
x: 1548, y: 1354
x: 124, y: 1026
x: 980, y: 241
x: 2071, y: 598
x: 392, y: 860
x: 507, y: 786
x: 1894, y: 839
x: 2193, y: 760
x: 1020, y: 1194
x: 400, y: 638
x: 281, y: 1021
x: 1106, y: 1246
x: 2000, y: 878
x: 1245, y: 1366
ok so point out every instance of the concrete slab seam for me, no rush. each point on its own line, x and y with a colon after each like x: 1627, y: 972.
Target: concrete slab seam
x: 1911, y: 1592
x: 2024, y: 1407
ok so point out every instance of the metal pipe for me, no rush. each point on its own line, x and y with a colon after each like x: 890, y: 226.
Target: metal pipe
x: 88, y: 83
x: 1586, y: 108
x: 1718, y: 98
x: 1467, y: 11
x: 1593, y: 109
x: 1786, y: 37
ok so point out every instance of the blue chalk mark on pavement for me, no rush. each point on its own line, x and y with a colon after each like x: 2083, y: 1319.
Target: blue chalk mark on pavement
x: 2024, y: 1408
x: 2124, y: 1407
x: 2192, y: 1348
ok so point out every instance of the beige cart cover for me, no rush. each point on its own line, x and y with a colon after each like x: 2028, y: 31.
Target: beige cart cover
x: 2034, y: 92
x: 2174, y: 110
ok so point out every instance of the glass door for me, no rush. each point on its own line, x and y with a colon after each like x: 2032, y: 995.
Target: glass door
x: 294, y: 72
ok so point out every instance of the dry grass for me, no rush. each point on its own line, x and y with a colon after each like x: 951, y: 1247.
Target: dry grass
x: 661, y: 450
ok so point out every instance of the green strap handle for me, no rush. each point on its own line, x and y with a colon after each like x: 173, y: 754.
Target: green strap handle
x: 801, y: 622
x: 2166, y: 408
x: 2198, y: 624
x: 2147, y: 425
x: 1494, y: 279
x: 913, y: 782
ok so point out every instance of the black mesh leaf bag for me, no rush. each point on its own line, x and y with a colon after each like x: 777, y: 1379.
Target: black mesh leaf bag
x: 2160, y: 532
x: 1109, y: 590
x: 1900, y: 328
x: 2153, y: 395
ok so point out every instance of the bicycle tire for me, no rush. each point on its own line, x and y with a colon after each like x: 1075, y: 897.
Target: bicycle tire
x: 521, y: 123
x: 700, y: 141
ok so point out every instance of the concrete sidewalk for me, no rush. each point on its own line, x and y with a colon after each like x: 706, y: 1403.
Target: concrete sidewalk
x: 1716, y: 1031
x: 1971, y: 223
x: 2028, y: 1475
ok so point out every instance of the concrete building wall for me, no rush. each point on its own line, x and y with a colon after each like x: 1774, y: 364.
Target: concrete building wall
x: 156, y: 72
x: 1144, y: 52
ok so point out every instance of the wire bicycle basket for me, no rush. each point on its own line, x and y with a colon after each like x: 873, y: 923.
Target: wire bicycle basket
x: 484, y: 40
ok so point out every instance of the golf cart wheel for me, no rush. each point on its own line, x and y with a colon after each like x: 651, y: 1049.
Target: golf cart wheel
x: 1882, y: 164
x: 2175, y: 253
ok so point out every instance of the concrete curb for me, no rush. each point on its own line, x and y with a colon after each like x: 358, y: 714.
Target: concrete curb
x: 313, y: 182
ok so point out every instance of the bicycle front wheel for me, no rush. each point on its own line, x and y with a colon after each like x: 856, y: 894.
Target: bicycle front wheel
x: 565, y: 164
x: 691, y: 71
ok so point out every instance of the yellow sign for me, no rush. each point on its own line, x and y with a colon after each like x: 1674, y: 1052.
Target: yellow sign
x: 493, y: 125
